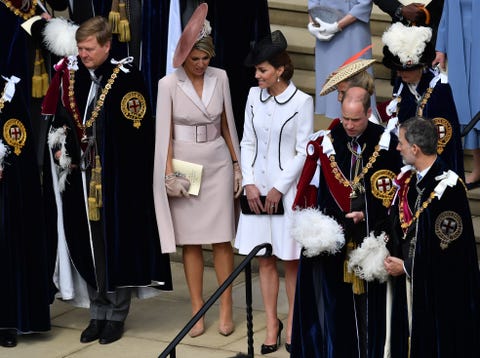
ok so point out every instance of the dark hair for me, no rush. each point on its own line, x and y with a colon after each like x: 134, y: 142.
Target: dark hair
x: 422, y: 132
x: 283, y: 59
x: 364, y: 98
x: 96, y: 26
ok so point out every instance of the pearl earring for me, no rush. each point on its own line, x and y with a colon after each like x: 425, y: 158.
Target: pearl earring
x: 278, y: 79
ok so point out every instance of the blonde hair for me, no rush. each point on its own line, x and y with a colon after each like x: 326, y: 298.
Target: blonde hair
x: 96, y: 26
x: 205, y: 44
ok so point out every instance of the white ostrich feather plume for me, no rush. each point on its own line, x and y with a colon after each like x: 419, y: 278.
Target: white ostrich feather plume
x: 3, y: 152
x: 316, y: 232
x: 407, y: 42
x: 366, y: 261
x: 59, y: 37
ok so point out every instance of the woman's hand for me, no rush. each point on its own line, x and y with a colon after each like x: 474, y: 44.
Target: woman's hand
x: 237, y: 180
x: 253, y: 198
x: 272, y: 200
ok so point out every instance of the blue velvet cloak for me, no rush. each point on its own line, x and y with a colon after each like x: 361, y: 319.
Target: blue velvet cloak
x: 440, y: 104
x: 132, y: 245
x: 324, y: 323
x: 25, y: 260
x: 446, y: 281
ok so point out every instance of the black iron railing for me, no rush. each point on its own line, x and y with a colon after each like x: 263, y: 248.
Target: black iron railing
x: 244, y: 265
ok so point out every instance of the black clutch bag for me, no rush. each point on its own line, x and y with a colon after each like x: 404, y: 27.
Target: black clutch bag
x: 246, y: 208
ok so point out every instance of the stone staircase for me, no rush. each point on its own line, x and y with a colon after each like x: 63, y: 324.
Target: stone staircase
x: 291, y: 17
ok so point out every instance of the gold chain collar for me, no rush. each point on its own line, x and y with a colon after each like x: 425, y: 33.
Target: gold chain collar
x: 2, y: 100
x: 98, y: 105
x: 353, y: 183
x: 23, y: 14
x: 424, y: 101
x: 406, y: 224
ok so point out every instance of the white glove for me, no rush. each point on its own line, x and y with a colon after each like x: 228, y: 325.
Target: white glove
x: 327, y: 28
x: 177, y: 186
x: 237, y: 180
x: 315, y: 31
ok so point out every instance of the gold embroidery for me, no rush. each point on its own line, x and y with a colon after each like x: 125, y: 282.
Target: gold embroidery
x: 133, y: 107
x: 382, y: 186
x: 20, y: 12
x: 448, y: 228
x: 444, y: 130
x: 15, y: 134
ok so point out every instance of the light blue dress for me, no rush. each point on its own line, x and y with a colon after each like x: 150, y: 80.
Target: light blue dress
x: 329, y: 55
x: 458, y: 26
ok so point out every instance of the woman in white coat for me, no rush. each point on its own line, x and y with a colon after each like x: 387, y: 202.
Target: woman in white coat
x: 278, y: 121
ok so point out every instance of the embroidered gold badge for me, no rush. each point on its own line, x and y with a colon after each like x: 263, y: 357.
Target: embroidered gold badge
x: 382, y: 186
x: 15, y: 134
x: 448, y: 228
x: 133, y: 107
x: 444, y: 130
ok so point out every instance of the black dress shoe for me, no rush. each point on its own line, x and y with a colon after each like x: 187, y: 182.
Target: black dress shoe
x: 8, y: 338
x: 270, y: 348
x: 93, y: 331
x: 112, y: 332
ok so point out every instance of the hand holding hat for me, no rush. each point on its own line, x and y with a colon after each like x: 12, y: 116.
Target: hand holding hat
x: 315, y: 31
x: 327, y: 28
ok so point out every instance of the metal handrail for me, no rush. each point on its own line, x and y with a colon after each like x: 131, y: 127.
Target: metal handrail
x: 244, y: 265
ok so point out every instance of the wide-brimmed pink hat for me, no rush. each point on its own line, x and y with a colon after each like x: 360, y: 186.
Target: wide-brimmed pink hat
x: 190, y: 34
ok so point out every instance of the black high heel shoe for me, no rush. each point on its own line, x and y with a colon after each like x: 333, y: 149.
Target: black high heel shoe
x: 270, y: 348
x: 288, y: 347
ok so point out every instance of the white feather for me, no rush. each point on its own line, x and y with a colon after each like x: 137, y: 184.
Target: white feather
x: 57, y: 138
x: 316, y: 232
x: 407, y: 42
x: 3, y: 152
x: 59, y: 37
x: 366, y: 261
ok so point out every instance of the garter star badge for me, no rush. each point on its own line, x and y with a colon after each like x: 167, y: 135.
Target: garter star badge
x: 448, y: 228
x: 15, y: 134
x: 382, y: 186
x: 444, y: 131
x: 133, y: 107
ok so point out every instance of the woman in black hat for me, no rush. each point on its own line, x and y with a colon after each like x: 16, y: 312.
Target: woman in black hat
x: 278, y: 121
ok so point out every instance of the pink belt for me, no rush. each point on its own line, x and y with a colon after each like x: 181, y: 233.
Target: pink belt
x: 199, y: 133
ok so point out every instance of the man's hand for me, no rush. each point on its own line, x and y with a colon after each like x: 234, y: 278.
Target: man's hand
x: 439, y: 60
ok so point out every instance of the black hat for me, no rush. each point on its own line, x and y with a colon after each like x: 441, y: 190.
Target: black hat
x: 407, y: 47
x: 266, y: 48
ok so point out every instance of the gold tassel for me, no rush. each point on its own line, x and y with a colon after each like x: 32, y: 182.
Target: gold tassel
x: 124, y: 25
x: 358, y: 285
x: 114, y: 17
x: 37, y: 76
x: 93, y: 211
x: 95, y: 191
x: 98, y: 195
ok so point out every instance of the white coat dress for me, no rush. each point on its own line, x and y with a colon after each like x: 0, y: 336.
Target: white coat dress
x: 275, y: 137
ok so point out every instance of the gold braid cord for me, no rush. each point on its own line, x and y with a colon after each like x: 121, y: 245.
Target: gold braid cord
x: 98, y: 105
x: 406, y: 224
x: 20, y: 12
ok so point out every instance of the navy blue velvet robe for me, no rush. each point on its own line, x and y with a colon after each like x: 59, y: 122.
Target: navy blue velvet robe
x: 446, y: 281
x: 132, y: 247
x: 439, y: 105
x: 324, y: 323
x: 26, y: 261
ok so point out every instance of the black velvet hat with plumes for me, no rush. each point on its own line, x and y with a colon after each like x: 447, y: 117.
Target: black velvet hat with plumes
x: 407, y: 47
x: 266, y: 48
